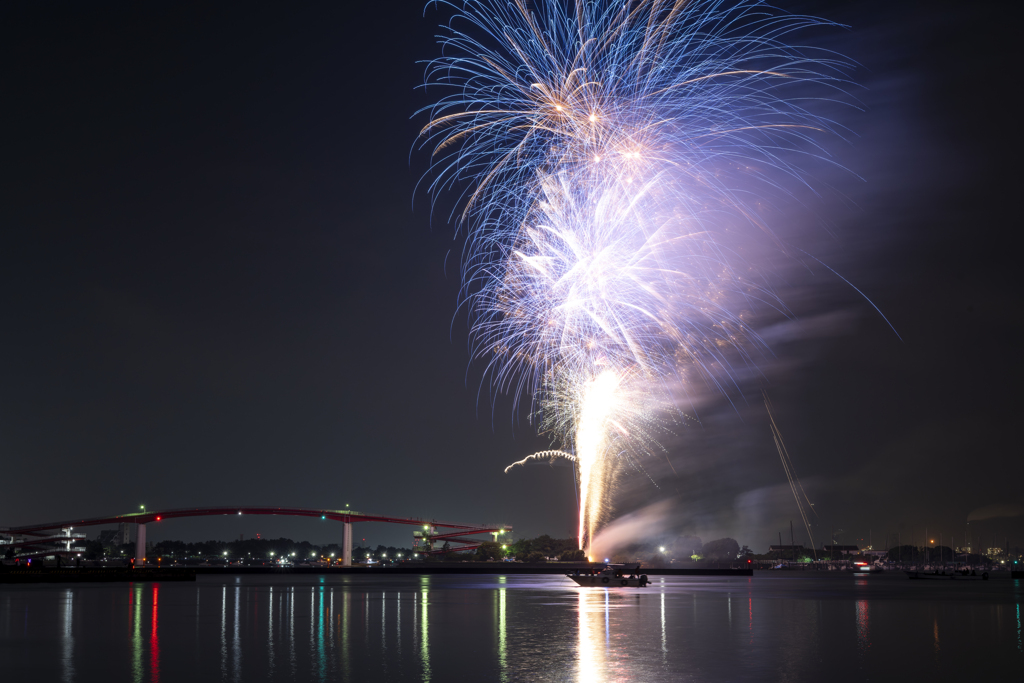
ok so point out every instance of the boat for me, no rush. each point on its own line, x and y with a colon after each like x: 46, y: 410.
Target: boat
x: 611, y: 576
x: 863, y: 569
x: 958, y: 575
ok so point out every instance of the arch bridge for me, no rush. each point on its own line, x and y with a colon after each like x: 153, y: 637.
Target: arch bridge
x: 45, y: 533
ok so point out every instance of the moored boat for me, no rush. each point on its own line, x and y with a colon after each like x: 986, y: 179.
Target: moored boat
x: 611, y: 576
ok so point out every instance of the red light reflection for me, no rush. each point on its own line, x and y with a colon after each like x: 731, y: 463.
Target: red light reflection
x: 154, y: 640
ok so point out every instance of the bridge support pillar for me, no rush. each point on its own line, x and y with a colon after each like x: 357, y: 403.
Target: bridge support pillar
x: 346, y: 545
x: 140, y: 545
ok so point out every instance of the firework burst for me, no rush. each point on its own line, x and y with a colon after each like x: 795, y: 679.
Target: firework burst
x: 611, y: 157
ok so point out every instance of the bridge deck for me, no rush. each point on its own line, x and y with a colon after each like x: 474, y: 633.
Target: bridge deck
x: 160, y: 515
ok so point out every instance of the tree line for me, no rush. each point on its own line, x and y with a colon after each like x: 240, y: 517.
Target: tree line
x: 252, y: 548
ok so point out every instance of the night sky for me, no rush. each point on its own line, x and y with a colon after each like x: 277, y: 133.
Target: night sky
x: 219, y: 286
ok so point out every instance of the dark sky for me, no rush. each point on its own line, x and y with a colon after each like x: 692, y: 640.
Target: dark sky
x: 217, y: 289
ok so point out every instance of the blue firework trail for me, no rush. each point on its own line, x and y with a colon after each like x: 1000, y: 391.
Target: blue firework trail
x: 611, y: 160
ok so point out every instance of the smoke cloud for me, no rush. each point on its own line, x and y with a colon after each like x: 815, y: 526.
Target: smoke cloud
x: 996, y: 510
x: 626, y: 531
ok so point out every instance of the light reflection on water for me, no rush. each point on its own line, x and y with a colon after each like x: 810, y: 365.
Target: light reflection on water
x: 424, y: 634
x: 135, y: 602
x: 502, y: 629
x: 440, y: 628
x: 863, y: 632
x: 67, y: 607
x: 154, y: 637
x: 223, y: 633
x: 236, y: 640
x: 270, y: 631
x: 590, y: 651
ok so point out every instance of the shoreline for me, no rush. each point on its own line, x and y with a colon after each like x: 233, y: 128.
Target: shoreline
x: 110, y: 574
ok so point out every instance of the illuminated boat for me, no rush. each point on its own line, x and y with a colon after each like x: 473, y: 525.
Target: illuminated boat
x: 611, y: 576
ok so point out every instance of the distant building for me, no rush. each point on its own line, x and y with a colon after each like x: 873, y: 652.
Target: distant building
x: 116, y: 537
x: 785, y: 548
x: 840, y: 549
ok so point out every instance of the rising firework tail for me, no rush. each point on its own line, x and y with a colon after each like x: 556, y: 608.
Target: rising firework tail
x: 612, y: 158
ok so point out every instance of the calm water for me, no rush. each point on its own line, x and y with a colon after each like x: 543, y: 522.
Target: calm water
x: 452, y: 628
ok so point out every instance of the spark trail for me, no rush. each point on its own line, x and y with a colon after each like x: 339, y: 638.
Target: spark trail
x: 611, y: 158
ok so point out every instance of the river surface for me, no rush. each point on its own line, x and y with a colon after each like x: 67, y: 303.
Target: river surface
x: 515, y: 628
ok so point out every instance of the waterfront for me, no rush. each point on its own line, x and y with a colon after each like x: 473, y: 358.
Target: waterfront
x: 498, y: 628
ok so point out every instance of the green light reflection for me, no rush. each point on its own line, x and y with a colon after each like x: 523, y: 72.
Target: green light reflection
x: 424, y: 636
x: 321, y: 655
x: 502, y: 632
